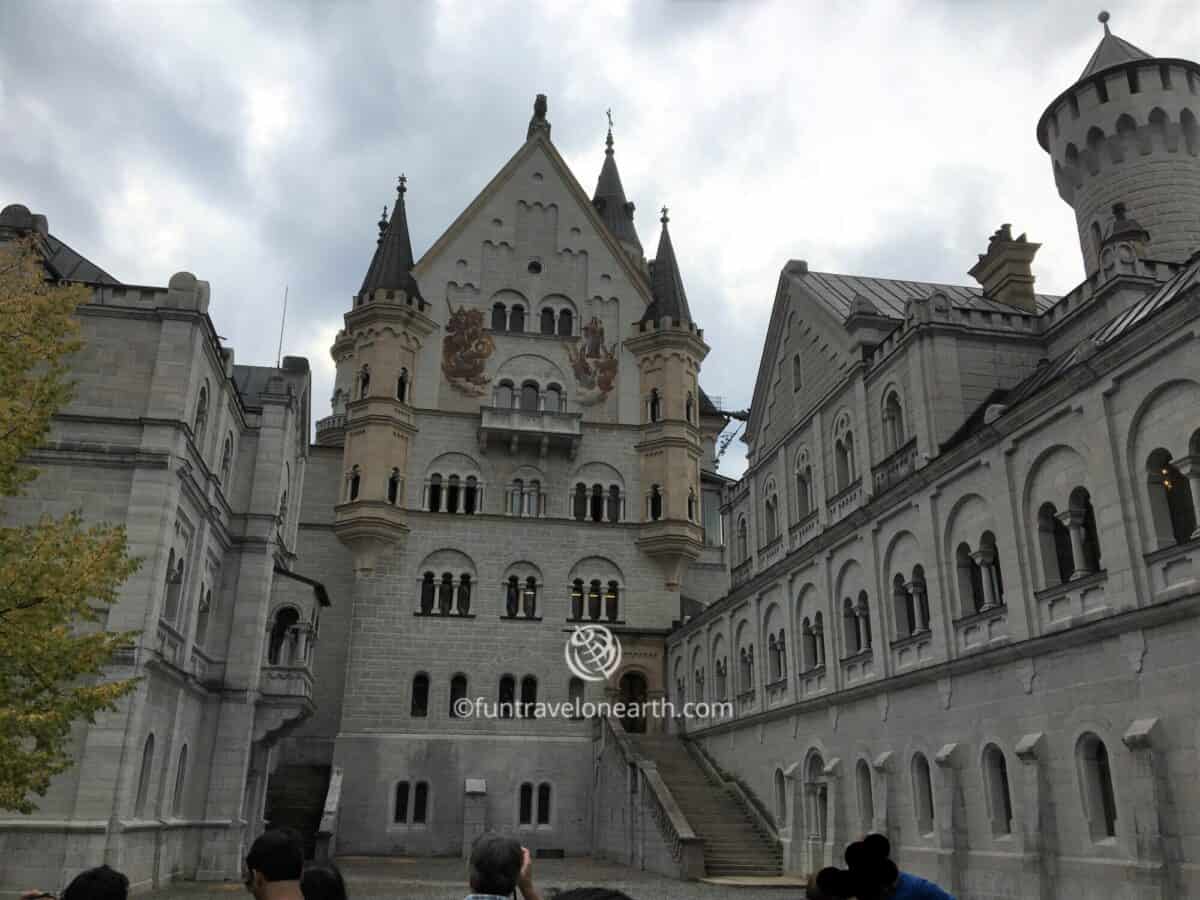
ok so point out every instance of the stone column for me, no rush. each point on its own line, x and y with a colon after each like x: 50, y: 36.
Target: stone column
x: 1190, y: 467
x: 984, y: 559
x: 949, y: 824
x: 881, y: 773
x: 1148, y: 788
x: 920, y: 600
x: 837, y: 831
x: 793, y: 843
x: 1034, y: 810
x: 1073, y: 519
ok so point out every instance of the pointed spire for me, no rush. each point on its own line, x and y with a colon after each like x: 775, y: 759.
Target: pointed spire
x: 609, y: 199
x: 391, y: 266
x: 1111, y: 51
x: 666, y: 284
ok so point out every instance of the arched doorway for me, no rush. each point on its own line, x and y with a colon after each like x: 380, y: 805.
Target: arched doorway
x: 633, y: 690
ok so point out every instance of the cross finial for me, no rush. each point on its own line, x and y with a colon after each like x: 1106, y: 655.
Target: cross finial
x: 403, y: 183
x: 608, y: 112
x: 1103, y: 19
x: 665, y: 219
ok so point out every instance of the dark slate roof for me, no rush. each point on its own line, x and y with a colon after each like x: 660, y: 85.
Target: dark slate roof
x: 666, y: 284
x: 707, y: 407
x: 609, y: 199
x: 1183, y: 280
x: 888, y: 295
x: 1111, y: 51
x: 251, y: 381
x: 61, y: 261
x: 391, y: 266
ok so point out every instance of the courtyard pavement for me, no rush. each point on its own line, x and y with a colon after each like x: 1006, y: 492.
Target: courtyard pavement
x: 393, y: 878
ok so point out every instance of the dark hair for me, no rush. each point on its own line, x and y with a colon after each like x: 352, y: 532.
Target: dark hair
x: 591, y: 893
x: 278, y: 854
x: 868, y: 873
x: 323, y: 883
x: 495, y: 864
x: 100, y: 883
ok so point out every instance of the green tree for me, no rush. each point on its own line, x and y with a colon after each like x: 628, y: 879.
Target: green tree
x: 57, y: 577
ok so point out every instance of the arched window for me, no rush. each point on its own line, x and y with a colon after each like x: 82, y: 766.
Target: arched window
x: 143, y: 788
x: 499, y: 317
x: 808, y: 646
x: 743, y: 540
x: 1082, y: 511
x: 402, y: 386
x: 174, y: 587
x: 816, y: 792
x: 691, y: 505
x: 575, y: 697
x: 470, y: 495
x: 866, y: 797
x: 508, y: 697
x: 458, y: 691
x: 400, y: 811
x: 780, y: 800
x: 428, y: 592
x: 850, y: 630
x: 970, y: 580
x: 893, y: 423
x: 904, y: 608
x: 543, y: 804
x: 554, y: 402
x: 512, y: 596
x: 446, y: 594
x: 566, y: 323
x: 688, y: 409
x: 282, y: 634
x: 547, y: 320
x: 227, y: 460
x: 464, y: 594
x: 504, y: 395
x: 864, y: 620
x: 804, y: 497
x: 579, y: 502
x: 202, y: 616
x: 920, y: 594
x: 364, y: 382
x: 614, y: 503
x: 655, y: 405
x: 1095, y: 774
x: 819, y: 634
x: 656, y: 503
x: 201, y: 422
x: 594, y: 599
x: 180, y: 783
x: 516, y: 497
x: 453, y: 493
x: 529, y: 598
x: 999, y: 799
x: 516, y: 318
x: 393, y: 487
x: 922, y: 787
x: 530, y: 395
x: 420, y: 803
x: 596, y: 503
x: 1058, y: 559
x: 419, y: 704
x: 797, y: 375
x: 528, y: 697
x: 1172, y: 506
x: 353, y: 483
x: 525, y: 805
x: 773, y: 671
x: 577, y: 599
x: 435, y: 493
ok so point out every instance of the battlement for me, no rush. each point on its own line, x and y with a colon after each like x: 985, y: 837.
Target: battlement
x: 390, y: 297
x: 667, y: 324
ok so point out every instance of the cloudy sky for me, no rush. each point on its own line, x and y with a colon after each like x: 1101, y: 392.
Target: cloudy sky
x: 254, y: 144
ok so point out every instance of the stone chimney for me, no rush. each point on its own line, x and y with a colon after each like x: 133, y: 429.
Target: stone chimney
x: 1005, y: 271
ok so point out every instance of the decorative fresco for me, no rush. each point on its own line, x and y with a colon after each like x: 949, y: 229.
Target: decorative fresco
x: 594, y: 364
x: 466, y: 350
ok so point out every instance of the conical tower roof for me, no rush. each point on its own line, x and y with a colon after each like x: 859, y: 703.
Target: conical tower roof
x: 610, y: 202
x: 666, y: 284
x: 391, y: 266
x: 1111, y: 51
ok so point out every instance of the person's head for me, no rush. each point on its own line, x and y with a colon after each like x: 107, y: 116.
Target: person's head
x: 323, y: 883
x: 276, y: 855
x: 591, y: 893
x: 834, y: 883
x: 495, y: 864
x: 100, y: 883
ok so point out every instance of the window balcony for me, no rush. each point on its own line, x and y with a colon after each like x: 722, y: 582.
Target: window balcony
x: 897, y: 467
x: 771, y: 553
x: 805, y: 530
x: 845, y: 501
x: 1072, y: 602
x: 287, y: 682
x: 858, y: 667
x: 982, y: 629
x: 813, y: 681
x: 742, y: 571
x: 1175, y: 570
x: 538, y: 429
x: 912, y: 650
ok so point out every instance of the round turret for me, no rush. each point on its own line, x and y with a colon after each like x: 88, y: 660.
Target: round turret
x: 1127, y: 133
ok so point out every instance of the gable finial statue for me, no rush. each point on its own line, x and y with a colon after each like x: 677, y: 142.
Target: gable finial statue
x: 538, y: 122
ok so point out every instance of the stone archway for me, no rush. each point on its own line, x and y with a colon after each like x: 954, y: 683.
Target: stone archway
x: 633, y: 688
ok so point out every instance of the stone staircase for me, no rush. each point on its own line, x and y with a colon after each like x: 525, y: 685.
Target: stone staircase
x: 734, y: 842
